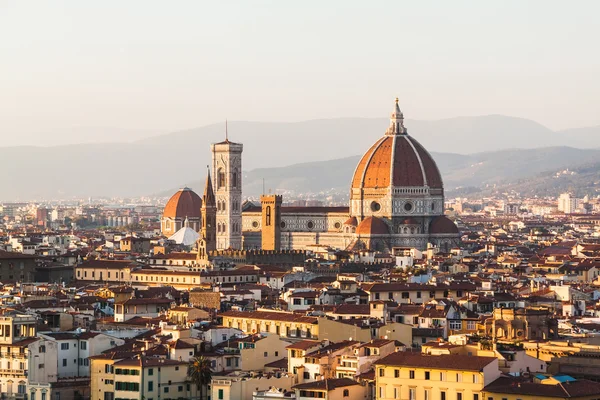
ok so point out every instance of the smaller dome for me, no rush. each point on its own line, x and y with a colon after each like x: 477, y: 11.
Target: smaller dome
x: 372, y: 226
x: 442, y: 225
x: 184, y: 203
x: 410, y: 221
x: 351, y: 221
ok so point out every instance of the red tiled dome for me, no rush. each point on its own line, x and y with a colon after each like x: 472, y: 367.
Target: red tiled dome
x: 351, y: 221
x: 397, y: 159
x: 184, y: 203
x: 442, y: 225
x: 372, y: 226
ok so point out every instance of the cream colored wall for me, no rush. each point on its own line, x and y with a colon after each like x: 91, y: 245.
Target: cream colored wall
x: 254, y: 359
x: 242, y: 388
x: 248, y: 325
x: 99, y: 378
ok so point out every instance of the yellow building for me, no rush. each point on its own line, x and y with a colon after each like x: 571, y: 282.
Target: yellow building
x: 416, y: 376
x: 284, y: 324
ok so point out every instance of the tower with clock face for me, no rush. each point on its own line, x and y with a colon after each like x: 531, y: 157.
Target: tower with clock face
x: 227, y: 170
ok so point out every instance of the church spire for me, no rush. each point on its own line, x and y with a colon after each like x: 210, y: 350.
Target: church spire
x: 209, y: 195
x: 396, y: 122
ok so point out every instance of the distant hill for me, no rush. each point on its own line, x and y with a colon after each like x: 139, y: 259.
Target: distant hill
x: 580, y: 180
x: 166, y: 161
x: 459, y: 171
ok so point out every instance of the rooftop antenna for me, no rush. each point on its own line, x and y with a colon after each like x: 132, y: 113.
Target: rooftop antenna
x: 263, y: 191
x: 226, y: 133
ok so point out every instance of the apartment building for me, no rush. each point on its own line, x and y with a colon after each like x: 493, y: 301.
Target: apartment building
x: 416, y: 376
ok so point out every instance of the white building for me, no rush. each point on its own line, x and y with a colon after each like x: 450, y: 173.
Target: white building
x: 567, y: 203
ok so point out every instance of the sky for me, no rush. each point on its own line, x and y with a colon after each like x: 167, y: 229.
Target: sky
x: 80, y: 71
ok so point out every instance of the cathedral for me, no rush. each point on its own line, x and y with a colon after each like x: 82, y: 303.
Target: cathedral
x: 396, y: 200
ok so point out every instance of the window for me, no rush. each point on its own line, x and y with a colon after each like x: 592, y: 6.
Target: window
x: 276, y: 353
x: 396, y: 393
x: 442, y: 376
x: 166, y: 389
x: 40, y: 366
x: 427, y: 394
x: 268, y: 216
x: 411, y: 374
x: 459, y: 396
x: 455, y: 325
x: 396, y: 373
x: 427, y: 375
x: 381, y: 391
x: 64, y: 346
x: 64, y: 362
x: 418, y: 295
x: 458, y: 377
x: 346, y: 393
x: 412, y: 394
x: 220, y: 178
x: 42, y: 349
x: 471, y: 325
x: 220, y: 395
x: 381, y: 372
x: 150, y: 386
x: 475, y: 396
x: 83, y: 345
x: 180, y: 388
x: 228, y: 362
x: 307, y: 375
x: 151, y: 371
x: 266, y: 354
x: 442, y: 395
x: 475, y: 378
x: 405, y: 295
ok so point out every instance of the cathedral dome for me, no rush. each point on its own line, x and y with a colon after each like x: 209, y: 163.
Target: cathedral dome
x: 184, y: 203
x: 398, y: 160
x: 442, y: 225
x: 372, y: 226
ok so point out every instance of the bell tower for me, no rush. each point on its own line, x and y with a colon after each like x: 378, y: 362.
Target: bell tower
x: 227, y: 170
x: 271, y: 222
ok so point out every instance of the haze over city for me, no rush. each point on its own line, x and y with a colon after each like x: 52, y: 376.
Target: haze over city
x: 79, y: 72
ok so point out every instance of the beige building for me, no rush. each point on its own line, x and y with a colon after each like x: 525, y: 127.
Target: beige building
x: 416, y: 376
x: 17, y: 333
x: 105, y: 271
x: 284, y: 324
x: 256, y: 351
x: 140, y: 378
x: 242, y: 385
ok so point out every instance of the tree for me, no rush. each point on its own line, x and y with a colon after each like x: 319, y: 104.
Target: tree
x: 199, y: 373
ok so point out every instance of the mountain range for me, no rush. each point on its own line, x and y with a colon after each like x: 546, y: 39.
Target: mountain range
x: 312, y: 155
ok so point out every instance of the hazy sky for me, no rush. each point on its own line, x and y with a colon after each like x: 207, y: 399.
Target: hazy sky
x: 75, y: 68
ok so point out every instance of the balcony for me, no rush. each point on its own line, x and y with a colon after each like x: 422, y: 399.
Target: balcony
x: 12, y: 372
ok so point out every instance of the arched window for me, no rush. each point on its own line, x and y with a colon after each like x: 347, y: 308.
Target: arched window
x: 234, y: 179
x: 346, y: 393
x: 268, y: 216
x: 220, y: 178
